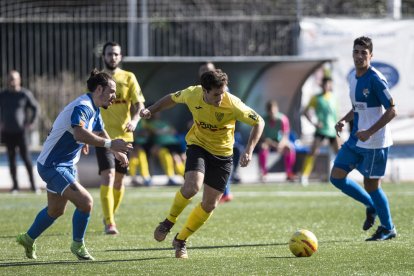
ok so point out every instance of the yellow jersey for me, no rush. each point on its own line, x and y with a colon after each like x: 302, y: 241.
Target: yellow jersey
x: 213, y: 127
x: 115, y: 117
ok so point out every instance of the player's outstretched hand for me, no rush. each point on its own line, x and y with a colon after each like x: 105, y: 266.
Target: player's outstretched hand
x: 120, y: 145
x: 122, y: 158
x: 145, y: 113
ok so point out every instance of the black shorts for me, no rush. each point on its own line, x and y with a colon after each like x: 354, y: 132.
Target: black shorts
x: 106, y: 160
x: 323, y: 137
x: 216, y: 168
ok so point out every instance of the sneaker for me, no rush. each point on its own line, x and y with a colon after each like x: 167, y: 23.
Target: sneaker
x: 172, y: 182
x: 226, y: 198
x: 369, y: 220
x: 304, y: 181
x: 148, y: 181
x: 80, y: 251
x: 180, y: 248
x: 383, y: 234
x: 162, y: 230
x: 28, y: 244
x: 290, y: 177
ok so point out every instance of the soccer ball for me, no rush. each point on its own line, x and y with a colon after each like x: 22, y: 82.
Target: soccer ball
x: 303, y: 243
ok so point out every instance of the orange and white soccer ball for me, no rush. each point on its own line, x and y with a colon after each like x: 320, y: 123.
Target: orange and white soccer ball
x: 303, y: 243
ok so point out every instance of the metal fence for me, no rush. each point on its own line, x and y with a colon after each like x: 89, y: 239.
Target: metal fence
x: 55, y: 44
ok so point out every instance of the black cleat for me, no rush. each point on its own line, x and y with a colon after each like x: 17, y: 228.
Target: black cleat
x: 383, y: 234
x: 369, y: 220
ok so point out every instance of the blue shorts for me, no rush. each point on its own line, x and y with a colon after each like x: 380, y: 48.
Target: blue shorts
x: 371, y: 163
x: 57, y: 178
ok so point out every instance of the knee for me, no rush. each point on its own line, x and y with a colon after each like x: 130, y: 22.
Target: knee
x: 208, y: 206
x: 108, y: 176
x: 337, y: 182
x: 87, y: 205
x: 190, y: 190
x: 55, y: 213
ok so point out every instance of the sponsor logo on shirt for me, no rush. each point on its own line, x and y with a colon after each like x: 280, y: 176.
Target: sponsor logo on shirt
x: 209, y: 126
x: 359, y: 106
x: 365, y: 92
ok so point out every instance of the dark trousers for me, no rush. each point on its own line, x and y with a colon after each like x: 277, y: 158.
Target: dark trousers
x: 18, y: 141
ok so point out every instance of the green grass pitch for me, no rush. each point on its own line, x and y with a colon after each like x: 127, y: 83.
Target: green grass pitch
x: 248, y: 236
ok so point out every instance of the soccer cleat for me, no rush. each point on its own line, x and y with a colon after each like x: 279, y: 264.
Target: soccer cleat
x: 28, y: 244
x: 369, y: 220
x: 226, y: 198
x: 110, y: 229
x: 383, y: 234
x: 180, y: 248
x: 162, y: 230
x: 80, y: 251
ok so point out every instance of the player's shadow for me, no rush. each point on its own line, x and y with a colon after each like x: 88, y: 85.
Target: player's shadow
x: 40, y: 263
x: 198, y: 247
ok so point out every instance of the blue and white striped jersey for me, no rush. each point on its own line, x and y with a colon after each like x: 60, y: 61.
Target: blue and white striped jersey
x: 60, y: 147
x: 370, y: 97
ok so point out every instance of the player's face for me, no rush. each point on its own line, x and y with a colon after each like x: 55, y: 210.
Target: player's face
x: 214, y: 96
x: 108, y: 94
x: 362, y: 57
x: 112, y: 57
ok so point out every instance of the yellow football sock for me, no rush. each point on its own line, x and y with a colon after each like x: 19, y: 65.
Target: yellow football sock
x: 118, y: 196
x: 179, y: 203
x: 107, y: 201
x: 133, y: 164
x: 308, y: 165
x: 166, y: 161
x: 143, y: 164
x: 179, y: 168
x: 195, y: 220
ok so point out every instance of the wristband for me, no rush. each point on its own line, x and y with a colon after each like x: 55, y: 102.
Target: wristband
x: 108, y: 143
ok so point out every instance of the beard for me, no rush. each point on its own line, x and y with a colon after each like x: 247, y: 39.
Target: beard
x: 109, y: 66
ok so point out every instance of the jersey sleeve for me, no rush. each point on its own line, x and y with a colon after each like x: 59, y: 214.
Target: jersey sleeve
x: 182, y: 95
x: 135, y: 91
x: 383, y: 93
x: 81, y: 116
x: 245, y: 114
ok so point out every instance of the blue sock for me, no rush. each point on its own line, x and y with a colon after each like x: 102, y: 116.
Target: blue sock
x: 227, y: 190
x: 40, y: 224
x: 354, y: 190
x: 80, y: 222
x: 382, y: 207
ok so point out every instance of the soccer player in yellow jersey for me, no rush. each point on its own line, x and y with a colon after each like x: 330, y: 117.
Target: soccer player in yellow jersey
x: 209, y: 150
x: 120, y: 122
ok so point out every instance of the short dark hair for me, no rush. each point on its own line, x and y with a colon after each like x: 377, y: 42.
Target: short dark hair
x: 111, y: 44
x: 270, y: 104
x: 365, y: 42
x: 213, y: 79
x: 98, y: 78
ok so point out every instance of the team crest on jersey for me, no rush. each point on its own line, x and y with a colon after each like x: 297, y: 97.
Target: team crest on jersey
x: 177, y: 94
x: 219, y: 116
x: 365, y: 92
